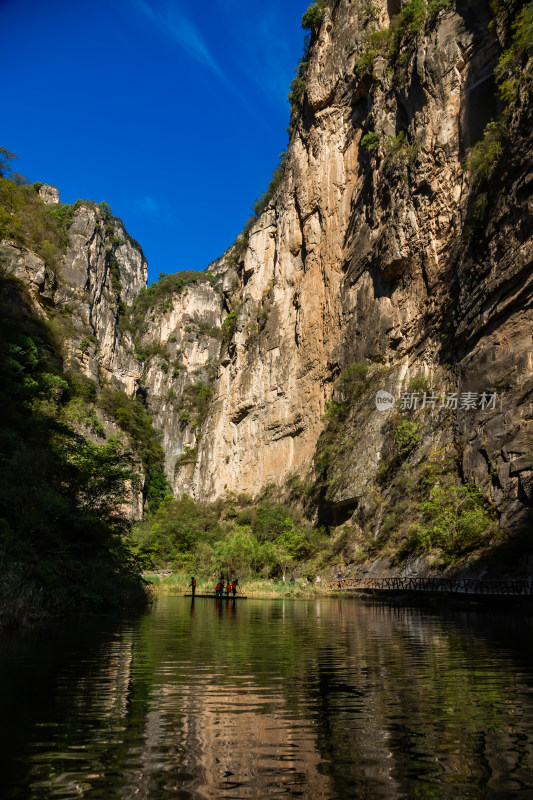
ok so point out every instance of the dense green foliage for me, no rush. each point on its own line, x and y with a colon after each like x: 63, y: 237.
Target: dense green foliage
x: 514, y: 77
x: 298, y: 83
x: 485, y: 155
x: 61, y: 529
x: 229, y: 326
x: 235, y: 535
x: 132, y: 417
x: 194, y: 404
x: 406, y: 438
x: 455, y: 519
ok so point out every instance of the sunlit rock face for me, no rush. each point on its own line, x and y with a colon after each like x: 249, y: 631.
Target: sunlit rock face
x: 49, y: 194
x: 103, y: 268
x: 370, y: 255
x: 187, y: 331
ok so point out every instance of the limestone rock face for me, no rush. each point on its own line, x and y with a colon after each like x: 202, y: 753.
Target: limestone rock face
x: 49, y: 194
x: 370, y: 255
x: 186, y: 336
x: 101, y: 269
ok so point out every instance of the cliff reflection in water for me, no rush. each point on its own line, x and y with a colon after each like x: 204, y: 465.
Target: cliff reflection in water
x: 319, y: 699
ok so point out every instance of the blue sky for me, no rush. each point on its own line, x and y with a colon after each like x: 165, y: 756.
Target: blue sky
x: 174, y: 112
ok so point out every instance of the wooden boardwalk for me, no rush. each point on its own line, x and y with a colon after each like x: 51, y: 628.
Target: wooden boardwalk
x: 456, y: 586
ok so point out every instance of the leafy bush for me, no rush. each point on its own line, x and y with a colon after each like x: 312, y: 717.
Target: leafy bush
x: 511, y: 71
x: 371, y: 11
x: 229, y: 326
x: 158, y: 296
x: 370, y: 141
x: 353, y: 379
x: 406, y: 438
x: 397, y: 150
x: 297, y: 87
x: 419, y: 383
x: 232, y: 535
x: 485, y: 155
x: 377, y: 44
x: 413, y: 15
x: 195, y: 403
x: 314, y: 16
x: 454, y: 519
x: 436, y: 6
x: 62, y: 543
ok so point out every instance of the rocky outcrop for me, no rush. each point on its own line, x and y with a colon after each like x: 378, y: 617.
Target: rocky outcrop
x: 49, y: 194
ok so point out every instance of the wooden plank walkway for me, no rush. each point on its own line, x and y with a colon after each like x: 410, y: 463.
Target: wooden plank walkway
x: 469, y: 586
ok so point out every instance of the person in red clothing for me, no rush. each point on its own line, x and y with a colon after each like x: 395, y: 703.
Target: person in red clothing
x: 193, y: 586
x: 228, y: 588
x: 219, y: 588
x: 234, y: 588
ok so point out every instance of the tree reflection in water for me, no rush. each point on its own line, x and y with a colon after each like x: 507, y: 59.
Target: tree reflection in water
x: 321, y: 698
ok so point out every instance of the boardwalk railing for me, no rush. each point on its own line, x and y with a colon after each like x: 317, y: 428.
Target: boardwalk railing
x: 446, y: 585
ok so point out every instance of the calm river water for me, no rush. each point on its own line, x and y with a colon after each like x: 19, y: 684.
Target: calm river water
x: 270, y: 699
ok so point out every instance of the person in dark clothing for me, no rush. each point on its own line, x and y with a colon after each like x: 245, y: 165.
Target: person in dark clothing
x: 193, y: 585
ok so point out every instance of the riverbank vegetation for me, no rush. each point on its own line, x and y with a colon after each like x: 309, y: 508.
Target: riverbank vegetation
x: 249, y: 539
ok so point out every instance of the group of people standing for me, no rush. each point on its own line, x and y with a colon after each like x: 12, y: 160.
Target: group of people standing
x: 231, y: 588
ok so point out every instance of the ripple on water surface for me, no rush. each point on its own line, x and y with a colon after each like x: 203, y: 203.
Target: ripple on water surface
x: 270, y: 699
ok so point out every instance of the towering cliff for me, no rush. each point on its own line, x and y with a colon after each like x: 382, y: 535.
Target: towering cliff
x: 365, y: 345
x: 381, y: 252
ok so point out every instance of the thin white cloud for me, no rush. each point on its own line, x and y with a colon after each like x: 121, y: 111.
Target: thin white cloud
x: 169, y: 18
x: 261, y: 50
x: 149, y: 207
x: 176, y: 25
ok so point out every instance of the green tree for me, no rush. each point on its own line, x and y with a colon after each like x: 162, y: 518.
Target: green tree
x: 455, y: 518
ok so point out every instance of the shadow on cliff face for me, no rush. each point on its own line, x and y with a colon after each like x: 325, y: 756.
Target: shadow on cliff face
x: 333, y: 514
x: 480, y: 100
x: 511, y: 558
x: 61, y: 529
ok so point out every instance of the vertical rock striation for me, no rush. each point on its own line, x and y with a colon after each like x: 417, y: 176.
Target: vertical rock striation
x: 372, y: 252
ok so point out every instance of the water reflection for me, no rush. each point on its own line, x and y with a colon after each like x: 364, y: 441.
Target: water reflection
x: 328, y: 698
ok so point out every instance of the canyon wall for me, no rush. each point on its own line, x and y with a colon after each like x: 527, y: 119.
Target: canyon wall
x: 371, y: 253
x: 385, y: 261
